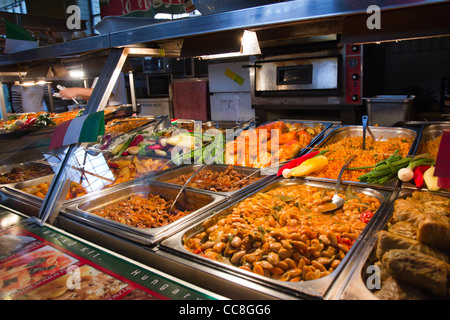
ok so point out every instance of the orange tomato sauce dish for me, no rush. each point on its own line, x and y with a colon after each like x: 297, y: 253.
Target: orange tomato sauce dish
x: 142, y: 211
x: 281, y: 233
x: 376, y: 150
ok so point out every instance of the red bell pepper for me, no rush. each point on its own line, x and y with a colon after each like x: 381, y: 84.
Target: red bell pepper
x: 296, y: 162
x: 418, y: 175
x: 344, y: 240
x: 366, y: 216
x: 155, y: 146
x: 28, y: 123
x: 112, y: 164
x: 139, y: 138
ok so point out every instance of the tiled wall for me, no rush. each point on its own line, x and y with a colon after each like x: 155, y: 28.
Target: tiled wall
x: 408, y: 67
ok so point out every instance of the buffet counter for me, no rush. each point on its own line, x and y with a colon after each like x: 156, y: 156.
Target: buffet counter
x: 242, y: 231
x: 47, y: 263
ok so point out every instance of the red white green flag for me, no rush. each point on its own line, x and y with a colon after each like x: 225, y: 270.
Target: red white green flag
x: 85, y: 128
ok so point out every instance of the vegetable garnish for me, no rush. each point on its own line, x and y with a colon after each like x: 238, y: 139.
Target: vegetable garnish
x: 366, y: 216
x: 287, y: 169
x: 418, y: 175
x: 431, y: 180
x: 389, y: 168
x: 296, y: 162
x: 310, y: 165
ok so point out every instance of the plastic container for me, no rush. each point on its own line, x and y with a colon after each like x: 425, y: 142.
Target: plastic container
x: 386, y: 110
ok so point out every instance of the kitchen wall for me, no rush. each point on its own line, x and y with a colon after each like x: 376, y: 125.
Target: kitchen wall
x: 408, y: 67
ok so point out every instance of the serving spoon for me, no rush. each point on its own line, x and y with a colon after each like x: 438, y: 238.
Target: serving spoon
x: 337, y: 201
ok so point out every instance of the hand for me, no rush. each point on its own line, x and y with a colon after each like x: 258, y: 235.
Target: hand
x: 76, y: 92
x: 69, y: 93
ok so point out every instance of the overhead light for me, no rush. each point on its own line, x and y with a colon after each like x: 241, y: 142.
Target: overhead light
x: 27, y: 83
x: 41, y: 82
x: 77, y: 74
x: 249, y: 46
x: 32, y: 82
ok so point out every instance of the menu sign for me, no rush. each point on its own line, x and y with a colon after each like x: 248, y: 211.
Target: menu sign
x: 43, y: 263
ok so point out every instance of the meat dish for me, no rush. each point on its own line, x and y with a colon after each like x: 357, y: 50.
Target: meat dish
x: 219, y: 181
x: 141, y: 211
x: 281, y: 234
x: 413, y: 252
x: 24, y: 173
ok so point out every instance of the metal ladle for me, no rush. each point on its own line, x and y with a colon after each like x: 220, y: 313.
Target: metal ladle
x: 337, y: 201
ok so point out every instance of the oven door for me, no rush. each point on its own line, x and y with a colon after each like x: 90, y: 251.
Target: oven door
x: 299, y: 77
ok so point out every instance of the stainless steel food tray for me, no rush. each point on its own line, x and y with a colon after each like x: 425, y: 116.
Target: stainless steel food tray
x: 176, y: 172
x: 354, y: 285
x: 430, y: 132
x: 380, y: 133
x: 194, y: 200
x: 314, y: 289
x: 8, y: 168
x: 15, y: 190
x: 91, y: 179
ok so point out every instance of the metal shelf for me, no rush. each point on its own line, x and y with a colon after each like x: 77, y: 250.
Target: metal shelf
x: 272, y: 16
x: 283, y: 13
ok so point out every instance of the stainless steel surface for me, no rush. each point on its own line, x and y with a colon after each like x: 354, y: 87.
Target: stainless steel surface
x: 388, y: 110
x: 187, y: 169
x: 380, y: 133
x: 107, y: 79
x: 59, y: 187
x: 319, y: 73
x: 213, y: 6
x: 263, y: 16
x: 132, y: 91
x: 16, y: 189
x: 3, y: 110
x: 314, y: 289
x: 60, y: 50
x: 355, y: 285
x: 194, y: 200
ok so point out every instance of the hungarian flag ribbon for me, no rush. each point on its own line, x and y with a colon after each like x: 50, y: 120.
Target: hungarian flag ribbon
x: 85, y: 128
x: 442, y: 170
